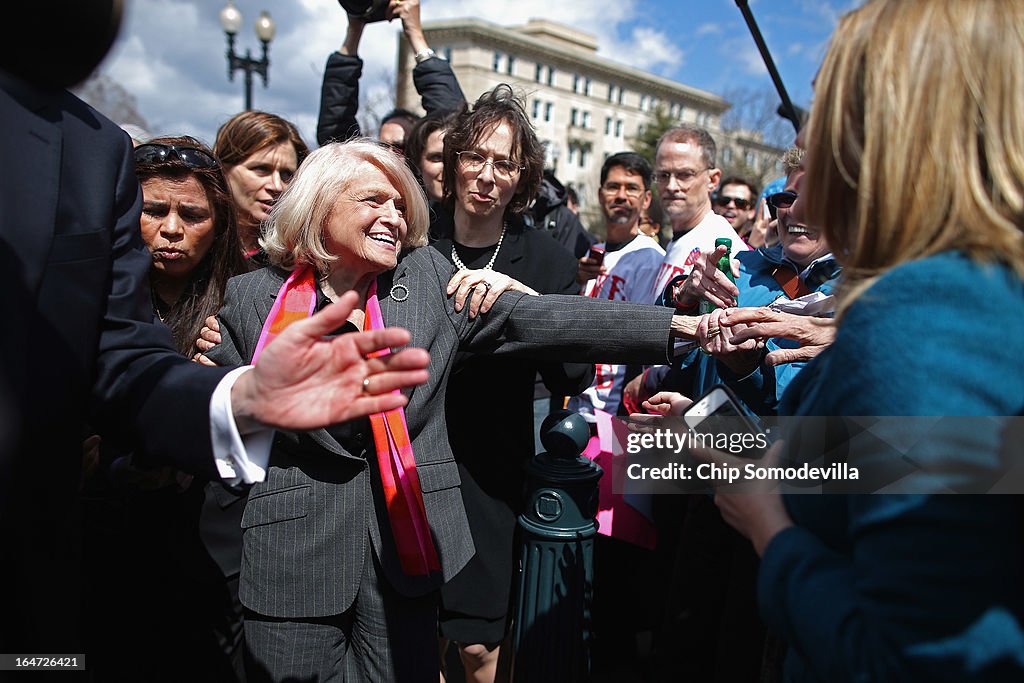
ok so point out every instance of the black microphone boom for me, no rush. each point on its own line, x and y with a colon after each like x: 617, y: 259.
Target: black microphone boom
x: 787, y: 110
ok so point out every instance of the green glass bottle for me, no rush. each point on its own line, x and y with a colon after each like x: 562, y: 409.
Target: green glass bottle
x: 724, y: 265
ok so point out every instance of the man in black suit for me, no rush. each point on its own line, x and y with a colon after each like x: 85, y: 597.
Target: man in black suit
x: 78, y: 332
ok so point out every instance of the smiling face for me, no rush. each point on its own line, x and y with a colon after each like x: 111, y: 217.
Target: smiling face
x: 257, y: 182
x: 177, y: 225
x: 366, y: 229
x: 432, y: 165
x: 684, y: 183
x: 482, y: 195
x: 800, y: 243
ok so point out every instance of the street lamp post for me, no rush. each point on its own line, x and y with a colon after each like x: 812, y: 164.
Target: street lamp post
x: 231, y: 21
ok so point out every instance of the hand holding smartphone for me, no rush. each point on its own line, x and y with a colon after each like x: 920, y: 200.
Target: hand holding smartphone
x: 719, y: 414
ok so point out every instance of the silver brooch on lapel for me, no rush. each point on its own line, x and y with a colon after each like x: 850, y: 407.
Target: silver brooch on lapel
x: 399, y: 292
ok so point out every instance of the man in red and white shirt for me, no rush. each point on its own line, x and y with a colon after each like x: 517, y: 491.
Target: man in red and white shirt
x: 685, y: 175
x: 630, y: 263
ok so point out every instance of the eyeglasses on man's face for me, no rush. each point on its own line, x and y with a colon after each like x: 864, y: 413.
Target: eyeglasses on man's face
x: 782, y: 200
x: 684, y: 177
x: 471, y: 162
x: 632, y: 190
x: 724, y: 201
x: 155, y: 153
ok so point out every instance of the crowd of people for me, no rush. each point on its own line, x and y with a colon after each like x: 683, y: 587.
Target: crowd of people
x: 205, y: 385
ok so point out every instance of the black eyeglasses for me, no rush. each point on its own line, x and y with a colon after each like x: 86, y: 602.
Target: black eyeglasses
x: 154, y: 153
x: 724, y: 200
x: 782, y: 200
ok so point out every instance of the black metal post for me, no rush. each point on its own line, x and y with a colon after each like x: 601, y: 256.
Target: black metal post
x: 787, y: 110
x: 551, y: 636
x: 249, y: 66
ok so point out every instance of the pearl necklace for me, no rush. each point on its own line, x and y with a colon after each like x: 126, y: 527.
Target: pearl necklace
x: 462, y: 266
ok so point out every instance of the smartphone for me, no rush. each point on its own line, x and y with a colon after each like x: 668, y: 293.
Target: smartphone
x: 596, y: 254
x: 720, y: 415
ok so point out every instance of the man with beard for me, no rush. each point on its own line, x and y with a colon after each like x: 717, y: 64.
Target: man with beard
x: 630, y: 263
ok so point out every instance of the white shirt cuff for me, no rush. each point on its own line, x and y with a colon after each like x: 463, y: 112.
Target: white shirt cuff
x: 240, y: 459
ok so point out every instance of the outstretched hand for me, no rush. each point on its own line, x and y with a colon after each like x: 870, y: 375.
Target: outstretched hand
x: 305, y: 381
x: 814, y: 334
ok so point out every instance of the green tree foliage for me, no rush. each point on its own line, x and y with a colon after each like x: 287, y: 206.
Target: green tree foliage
x: 646, y: 140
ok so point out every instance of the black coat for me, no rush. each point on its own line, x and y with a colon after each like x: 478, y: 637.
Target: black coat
x: 339, y: 94
x: 78, y: 322
x: 490, y: 423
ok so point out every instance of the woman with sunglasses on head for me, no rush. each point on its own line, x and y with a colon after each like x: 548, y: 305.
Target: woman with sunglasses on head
x: 173, y: 612
x: 260, y: 153
x: 926, y: 585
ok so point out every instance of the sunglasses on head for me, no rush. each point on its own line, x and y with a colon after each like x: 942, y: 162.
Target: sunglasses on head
x: 724, y: 200
x: 782, y: 200
x: 155, y: 153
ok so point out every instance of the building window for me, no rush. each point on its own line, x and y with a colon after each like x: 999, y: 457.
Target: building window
x: 551, y: 76
x: 611, y: 92
x: 547, y: 110
x: 447, y: 52
x: 607, y: 125
x: 538, y: 72
x: 620, y: 95
x: 680, y: 111
x: 727, y: 155
x: 510, y: 64
x: 779, y: 166
x: 496, y: 65
x: 585, y: 121
x: 576, y: 81
x: 584, y: 153
x: 618, y: 128
x: 588, y: 87
x: 572, y: 153
x: 748, y: 159
x: 574, y: 117
x: 536, y: 109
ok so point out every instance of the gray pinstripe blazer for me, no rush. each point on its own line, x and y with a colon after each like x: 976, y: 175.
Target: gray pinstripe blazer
x: 306, y: 525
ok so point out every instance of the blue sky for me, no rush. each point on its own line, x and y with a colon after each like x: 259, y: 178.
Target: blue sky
x: 170, y: 54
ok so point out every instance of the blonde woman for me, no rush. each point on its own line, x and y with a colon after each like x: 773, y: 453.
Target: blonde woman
x: 915, y: 166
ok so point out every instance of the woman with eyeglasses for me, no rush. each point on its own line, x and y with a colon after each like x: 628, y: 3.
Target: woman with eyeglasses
x: 926, y: 585
x: 355, y: 526
x: 260, y: 153
x: 165, y: 555
x: 492, y: 170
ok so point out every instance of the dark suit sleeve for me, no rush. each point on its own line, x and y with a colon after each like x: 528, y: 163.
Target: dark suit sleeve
x: 230, y: 350
x: 339, y: 99
x: 438, y: 87
x: 574, y: 328
x: 144, y: 390
x: 565, y: 379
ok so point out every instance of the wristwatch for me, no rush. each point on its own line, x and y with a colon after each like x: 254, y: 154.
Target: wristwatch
x: 424, y: 55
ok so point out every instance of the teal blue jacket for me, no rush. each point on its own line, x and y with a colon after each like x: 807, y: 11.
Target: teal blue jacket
x: 910, y: 587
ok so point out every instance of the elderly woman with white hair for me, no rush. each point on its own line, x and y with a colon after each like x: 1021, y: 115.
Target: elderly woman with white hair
x: 356, y: 525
